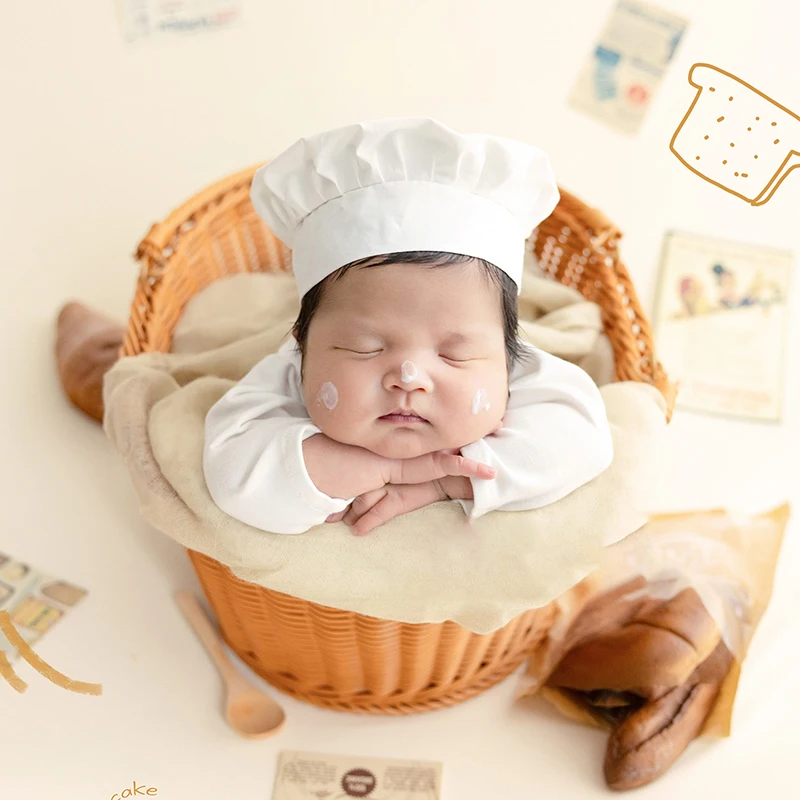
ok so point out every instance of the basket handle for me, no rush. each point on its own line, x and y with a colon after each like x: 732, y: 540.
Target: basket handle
x: 602, y: 231
x: 162, y: 235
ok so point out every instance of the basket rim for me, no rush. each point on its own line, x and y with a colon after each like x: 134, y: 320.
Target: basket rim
x: 170, y: 240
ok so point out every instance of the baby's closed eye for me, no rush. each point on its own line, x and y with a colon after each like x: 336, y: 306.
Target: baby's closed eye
x: 373, y: 352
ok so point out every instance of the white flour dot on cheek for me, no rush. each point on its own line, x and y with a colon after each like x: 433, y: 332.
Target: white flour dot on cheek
x: 479, y: 401
x: 408, y: 371
x: 328, y: 395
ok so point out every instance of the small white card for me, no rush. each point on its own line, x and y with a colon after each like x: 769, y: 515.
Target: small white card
x: 318, y: 776
x: 143, y: 19
x: 620, y: 77
x: 720, y: 324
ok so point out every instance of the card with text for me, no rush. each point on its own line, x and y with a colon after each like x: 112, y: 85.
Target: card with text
x: 316, y: 776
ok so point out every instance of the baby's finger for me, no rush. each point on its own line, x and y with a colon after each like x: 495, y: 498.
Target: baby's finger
x: 337, y: 517
x: 362, y: 504
x: 390, y: 505
x: 400, y: 500
x: 431, y: 466
x: 374, y: 517
x: 461, y: 465
x: 469, y: 466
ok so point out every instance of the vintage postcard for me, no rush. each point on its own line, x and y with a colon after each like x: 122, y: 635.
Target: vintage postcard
x: 34, y: 600
x: 143, y: 19
x: 619, y: 79
x: 317, y: 776
x: 720, y: 324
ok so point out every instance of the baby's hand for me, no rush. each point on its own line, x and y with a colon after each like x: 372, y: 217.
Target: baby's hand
x: 431, y: 466
x: 372, y: 509
x: 342, y: 470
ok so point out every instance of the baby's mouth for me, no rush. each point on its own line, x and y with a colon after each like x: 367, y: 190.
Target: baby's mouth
x: 397, y: 416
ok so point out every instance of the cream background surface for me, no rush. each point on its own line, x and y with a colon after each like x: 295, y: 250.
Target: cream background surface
x: 101, y: 139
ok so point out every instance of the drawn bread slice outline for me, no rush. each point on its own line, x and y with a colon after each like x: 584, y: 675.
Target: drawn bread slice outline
x: 736, y: 137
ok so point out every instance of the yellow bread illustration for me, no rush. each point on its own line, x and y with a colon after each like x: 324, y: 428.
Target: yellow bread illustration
x: 14, y: 572
x: 35, y: 615
x: 63, y: 592
x: 736, y: 137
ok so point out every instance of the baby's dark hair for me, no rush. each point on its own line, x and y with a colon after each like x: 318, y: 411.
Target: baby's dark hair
x: 515, y: 352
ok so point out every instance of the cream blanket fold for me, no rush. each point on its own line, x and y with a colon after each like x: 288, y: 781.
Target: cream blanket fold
x: 425, y: 566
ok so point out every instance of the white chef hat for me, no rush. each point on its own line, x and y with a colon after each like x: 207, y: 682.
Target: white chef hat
x: 401, y: 184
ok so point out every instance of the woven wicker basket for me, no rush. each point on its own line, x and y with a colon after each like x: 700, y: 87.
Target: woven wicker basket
x: 333, y: 658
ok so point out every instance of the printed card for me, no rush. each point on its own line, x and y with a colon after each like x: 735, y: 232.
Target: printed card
x: 720, y: 324
x: 314, y: 776
x: 621, y: 76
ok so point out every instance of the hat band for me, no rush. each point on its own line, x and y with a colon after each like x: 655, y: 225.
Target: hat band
x: 402, y: 216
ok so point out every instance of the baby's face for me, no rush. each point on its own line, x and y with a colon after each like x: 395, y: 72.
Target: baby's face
x: 382, y: 339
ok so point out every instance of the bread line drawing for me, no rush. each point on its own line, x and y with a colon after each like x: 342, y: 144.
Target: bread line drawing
x: 736, y: 137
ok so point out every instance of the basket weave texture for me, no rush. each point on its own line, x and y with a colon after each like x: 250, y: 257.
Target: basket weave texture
x: 334, y: 658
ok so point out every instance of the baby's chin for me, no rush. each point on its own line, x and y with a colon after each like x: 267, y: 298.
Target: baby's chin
x: 402, y: 446
x: 401, y: 442
x: 404, y: 443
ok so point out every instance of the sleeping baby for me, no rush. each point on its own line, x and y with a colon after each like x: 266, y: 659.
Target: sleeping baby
x: 404, y: 382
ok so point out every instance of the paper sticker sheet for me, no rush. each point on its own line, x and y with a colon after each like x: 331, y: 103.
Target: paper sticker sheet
x: 35, y: 601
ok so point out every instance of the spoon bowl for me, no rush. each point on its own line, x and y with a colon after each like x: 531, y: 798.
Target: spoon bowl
x: 254, y: 715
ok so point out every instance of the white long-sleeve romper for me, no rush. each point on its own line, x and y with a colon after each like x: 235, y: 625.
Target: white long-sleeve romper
x: 555, y: 438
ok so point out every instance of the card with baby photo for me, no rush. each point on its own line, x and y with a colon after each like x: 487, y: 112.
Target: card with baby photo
x: 35, y: 601
x: 720, y: 324
x: 619, y: 79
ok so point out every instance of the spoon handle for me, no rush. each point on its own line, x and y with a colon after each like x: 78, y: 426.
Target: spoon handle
x: 193, y: 611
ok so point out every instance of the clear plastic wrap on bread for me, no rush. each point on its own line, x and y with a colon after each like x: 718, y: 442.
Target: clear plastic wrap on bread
x: 650, y: 646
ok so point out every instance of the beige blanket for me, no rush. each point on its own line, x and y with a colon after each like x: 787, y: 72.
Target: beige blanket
x: 426, y: 566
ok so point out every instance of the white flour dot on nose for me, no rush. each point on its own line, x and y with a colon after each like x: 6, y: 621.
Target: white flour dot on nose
x: 328, y: 394
x: 408, y: 371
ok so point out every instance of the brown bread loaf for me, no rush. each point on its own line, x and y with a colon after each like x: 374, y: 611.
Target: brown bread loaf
x: 647, y: 669
x: 650, y: 739
x: 87, y: 346
x: 649, y: 642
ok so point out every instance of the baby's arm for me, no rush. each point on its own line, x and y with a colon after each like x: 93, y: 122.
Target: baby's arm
x: 342, y: 470
x: 555, y: 438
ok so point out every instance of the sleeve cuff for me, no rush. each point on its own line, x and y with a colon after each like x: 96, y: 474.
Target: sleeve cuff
x: 301, y: 480
x: 485, y: 492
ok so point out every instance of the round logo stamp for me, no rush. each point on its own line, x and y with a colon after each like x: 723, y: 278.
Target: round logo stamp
x: 359, y: 783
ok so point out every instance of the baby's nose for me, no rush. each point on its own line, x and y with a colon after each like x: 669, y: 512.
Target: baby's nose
x: 407, y: 375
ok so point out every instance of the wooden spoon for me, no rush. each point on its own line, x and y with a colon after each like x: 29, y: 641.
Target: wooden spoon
x: 248, y: 710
